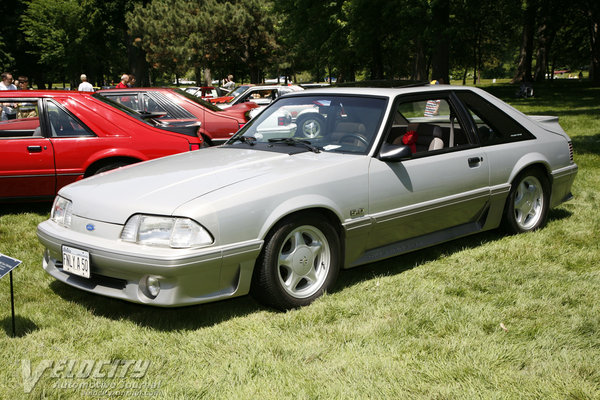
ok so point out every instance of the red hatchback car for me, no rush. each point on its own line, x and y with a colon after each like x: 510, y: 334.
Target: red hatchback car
x: 49, y: 139
x: 216, y: 125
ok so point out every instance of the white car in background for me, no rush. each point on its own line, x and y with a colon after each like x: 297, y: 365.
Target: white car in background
x: 262, y: 95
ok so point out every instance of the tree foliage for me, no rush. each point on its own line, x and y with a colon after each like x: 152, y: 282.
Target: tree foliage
x: 222, y: 35
x: 56, y: 40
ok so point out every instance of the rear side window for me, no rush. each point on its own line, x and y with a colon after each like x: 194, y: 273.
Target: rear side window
x: 493, y: 125
x: 62, y: 124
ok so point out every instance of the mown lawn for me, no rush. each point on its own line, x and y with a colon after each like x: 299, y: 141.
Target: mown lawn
x: 490, y: 316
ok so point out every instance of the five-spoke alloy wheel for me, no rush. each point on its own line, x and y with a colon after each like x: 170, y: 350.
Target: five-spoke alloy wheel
x: 527, y: 205
x: 299, y: 262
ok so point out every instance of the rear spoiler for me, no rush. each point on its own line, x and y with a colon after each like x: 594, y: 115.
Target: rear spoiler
x: 549, y: 123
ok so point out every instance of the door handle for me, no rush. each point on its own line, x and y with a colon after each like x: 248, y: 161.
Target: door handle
x: 34, y: 149
x: 475, y: 161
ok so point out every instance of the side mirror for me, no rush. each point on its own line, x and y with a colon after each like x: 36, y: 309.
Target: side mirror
x: 394, y: 153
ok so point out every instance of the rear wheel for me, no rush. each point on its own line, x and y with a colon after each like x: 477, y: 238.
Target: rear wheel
x: 528, y: 202
x: 299, y: 262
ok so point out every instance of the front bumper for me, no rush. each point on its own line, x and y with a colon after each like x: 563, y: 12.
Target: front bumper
x: 119, y: 269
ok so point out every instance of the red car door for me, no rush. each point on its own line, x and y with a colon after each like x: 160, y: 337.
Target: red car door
x: 27, y: 166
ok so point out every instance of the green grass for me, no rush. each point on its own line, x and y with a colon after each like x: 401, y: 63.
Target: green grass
x: 490, y: 316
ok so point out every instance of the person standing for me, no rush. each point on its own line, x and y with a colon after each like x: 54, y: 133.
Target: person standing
x: 85, y: 86
x: 8, y: 109
x: 23, y: 83
x: 124, y: 81
x: 7, y: 82
x: 131, y: 80
x: 229, y: 83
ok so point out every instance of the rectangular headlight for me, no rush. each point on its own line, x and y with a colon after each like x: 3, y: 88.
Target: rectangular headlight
x: 62, y: 211
x: 165, y: 232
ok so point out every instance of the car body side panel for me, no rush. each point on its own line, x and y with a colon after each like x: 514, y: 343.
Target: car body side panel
x: 418, y: 196
x: 27, y: 167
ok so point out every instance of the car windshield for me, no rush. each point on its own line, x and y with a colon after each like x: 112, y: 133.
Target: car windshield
x: 236, y: 92
x: 345, y: 124
x: 198, y: 100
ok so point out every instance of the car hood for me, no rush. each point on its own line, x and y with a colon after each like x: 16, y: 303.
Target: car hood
x: 160, y: 186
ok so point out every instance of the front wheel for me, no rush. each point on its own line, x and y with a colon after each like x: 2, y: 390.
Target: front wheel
x: 528, y: 202
x: 299, y: 262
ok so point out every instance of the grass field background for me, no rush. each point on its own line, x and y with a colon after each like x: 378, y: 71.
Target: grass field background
x: 490, y: 316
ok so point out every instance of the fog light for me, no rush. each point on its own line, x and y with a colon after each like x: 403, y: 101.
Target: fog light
x: 153, y: 286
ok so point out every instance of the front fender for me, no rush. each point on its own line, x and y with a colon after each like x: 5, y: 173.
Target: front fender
x: 298, y: 204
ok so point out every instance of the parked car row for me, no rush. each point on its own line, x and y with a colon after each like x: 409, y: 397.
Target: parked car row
x: 49, y: 139
x: 175, y: 106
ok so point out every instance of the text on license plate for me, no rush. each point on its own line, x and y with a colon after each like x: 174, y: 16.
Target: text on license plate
x: 76, y: 261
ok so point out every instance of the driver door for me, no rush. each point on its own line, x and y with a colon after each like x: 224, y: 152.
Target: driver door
x: 26, y: 156
x: 436, y: 194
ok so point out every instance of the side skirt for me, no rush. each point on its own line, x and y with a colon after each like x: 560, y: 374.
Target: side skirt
x: 420, y: 242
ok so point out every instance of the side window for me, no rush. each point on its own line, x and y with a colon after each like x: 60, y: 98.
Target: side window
x: 427, y: 124
x: 150, y: 105
x: 19, y: 119
x: 130, y: 101
x: 493, y: 125
x: 64, y: 125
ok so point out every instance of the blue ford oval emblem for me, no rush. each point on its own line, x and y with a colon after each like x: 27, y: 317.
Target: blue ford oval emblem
x: 90, y: 227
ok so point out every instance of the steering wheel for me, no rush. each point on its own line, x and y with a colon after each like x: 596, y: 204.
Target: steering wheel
x: 356, y: 137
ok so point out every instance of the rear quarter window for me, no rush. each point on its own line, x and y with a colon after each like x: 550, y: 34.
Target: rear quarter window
x: 493, y: 125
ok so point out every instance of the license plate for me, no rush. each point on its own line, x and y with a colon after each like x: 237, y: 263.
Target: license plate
x: 76, y: 261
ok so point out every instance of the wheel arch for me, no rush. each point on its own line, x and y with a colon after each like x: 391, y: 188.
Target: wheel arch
x: 96, y: 165
x: 532, y: 161
x: 324, y: 211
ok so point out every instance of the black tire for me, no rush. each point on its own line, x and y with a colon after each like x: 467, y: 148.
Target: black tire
x: 206, y: 142
x: 527, y: 205
x: 310, y: 126
x: 110, y: 166
x: 299, y: 262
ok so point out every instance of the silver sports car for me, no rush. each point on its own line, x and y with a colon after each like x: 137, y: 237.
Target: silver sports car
x: 322, y: 180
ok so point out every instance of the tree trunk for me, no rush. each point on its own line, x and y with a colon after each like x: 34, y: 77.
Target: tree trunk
x: 207, y: 81
x: 594, y: 27
x: 523, y: 73
x: 419, y: 65
x: 546, y: 33
x: 440, y: 68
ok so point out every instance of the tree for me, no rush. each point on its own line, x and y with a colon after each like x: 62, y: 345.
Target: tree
x: 162, y: 29
x: 523, y: 73
x: 592, y: 10
x: 51, y: 29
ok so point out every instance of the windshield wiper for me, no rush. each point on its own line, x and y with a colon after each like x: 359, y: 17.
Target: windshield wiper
x: 295, y: 142
x: 251, y: 140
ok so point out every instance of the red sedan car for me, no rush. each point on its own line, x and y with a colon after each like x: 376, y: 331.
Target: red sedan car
x: 49, y: 139
x: 216, y: 125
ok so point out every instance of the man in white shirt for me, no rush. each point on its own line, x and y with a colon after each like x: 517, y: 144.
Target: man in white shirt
x: 7, y: 82
x: 8, y: 109
x: 85, y: 86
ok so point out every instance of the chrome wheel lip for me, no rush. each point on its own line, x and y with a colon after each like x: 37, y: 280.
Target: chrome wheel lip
x: 528, y: 203
x: 304, y: 262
